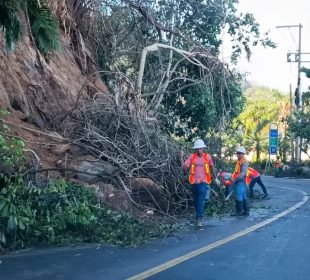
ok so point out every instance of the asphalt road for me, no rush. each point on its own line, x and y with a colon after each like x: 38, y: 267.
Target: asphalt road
x: 229, y: 248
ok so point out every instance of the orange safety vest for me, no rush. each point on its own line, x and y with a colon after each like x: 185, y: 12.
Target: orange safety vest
x: 251, y: 173
x: 193, y: 169
x: 278, y: 164
x: 237, y: 172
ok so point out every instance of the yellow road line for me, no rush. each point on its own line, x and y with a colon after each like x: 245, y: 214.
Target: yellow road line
x: 218, y: 243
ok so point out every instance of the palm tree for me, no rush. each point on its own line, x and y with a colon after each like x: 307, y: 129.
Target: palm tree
x: 258, y: 137
x: 44, y: 26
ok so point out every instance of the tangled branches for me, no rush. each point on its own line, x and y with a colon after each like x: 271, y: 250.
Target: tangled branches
x: 136, y: 147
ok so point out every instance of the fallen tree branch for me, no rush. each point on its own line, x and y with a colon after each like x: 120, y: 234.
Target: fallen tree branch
x: 30, y: 171
x: 190, y: 56
x: 135, y: 147
x: 34, y: 130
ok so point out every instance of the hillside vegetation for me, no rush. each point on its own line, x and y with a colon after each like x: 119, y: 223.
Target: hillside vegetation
x: 96, y: 93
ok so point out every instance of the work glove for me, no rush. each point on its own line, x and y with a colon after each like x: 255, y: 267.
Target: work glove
x: 217, y: 182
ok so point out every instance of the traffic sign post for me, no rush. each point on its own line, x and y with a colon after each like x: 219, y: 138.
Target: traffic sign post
x: 273, y: 141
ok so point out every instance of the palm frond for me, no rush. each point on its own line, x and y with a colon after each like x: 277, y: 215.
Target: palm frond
x: 9, y: 22
x: 261, y: 125
x: 44, y: 27
x: 16, y: 4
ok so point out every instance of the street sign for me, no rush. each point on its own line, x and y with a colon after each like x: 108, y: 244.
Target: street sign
x: 273, y: 150
x: 273, y: 133
x: 273, y: 139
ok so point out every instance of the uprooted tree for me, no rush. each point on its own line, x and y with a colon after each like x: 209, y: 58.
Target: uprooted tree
x: 161, y: 64
x: 160, y: 61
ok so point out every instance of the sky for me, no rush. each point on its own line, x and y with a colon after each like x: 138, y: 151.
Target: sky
x: 269, y: 67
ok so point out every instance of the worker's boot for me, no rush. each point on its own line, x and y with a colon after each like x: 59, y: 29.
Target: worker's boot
x: 199, y: 222
x: 238, y: 209
x: 246, y: 209
x: 263, y: 196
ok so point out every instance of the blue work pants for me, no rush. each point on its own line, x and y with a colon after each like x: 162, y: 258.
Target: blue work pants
x: 200, y: 192
x: 240, y: 189
x: 241, y: 199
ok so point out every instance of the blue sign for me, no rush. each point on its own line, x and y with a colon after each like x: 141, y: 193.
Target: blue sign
x: 273, y: 133
x: 273, y: 150
x: 273, y: 140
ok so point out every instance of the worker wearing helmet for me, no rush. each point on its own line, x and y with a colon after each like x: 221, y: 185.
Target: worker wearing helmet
x: 239, y: 183
x: 200, y: 167
x: 278, y: 166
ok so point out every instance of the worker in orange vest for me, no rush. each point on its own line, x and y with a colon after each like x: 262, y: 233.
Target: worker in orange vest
x: 255, y: 178
x: 225, y: 179
x: 278, y: 166
x: 239, y: 181
x: 201, y: 172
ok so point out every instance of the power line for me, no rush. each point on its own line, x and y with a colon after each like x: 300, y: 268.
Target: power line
x: 293, y: 38
x: 298, y: 93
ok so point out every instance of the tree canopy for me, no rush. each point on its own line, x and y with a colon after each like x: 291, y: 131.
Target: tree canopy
x: 183, y: 77
x: 263, y: 107
x: 164, y: 54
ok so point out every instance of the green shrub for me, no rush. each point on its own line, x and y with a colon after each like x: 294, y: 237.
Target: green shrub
x: 60, y: 212
x: 65, y: 213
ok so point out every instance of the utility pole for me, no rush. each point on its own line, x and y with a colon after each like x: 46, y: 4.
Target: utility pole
x: 298, y: 89
x: 292, y: 134
x: 299, y: 107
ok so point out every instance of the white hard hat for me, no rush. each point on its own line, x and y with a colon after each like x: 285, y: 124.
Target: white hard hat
x: 241, y: 149
x: 198, y: 144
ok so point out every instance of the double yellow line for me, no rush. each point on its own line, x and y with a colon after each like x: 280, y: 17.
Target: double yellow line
x: 176, y: 261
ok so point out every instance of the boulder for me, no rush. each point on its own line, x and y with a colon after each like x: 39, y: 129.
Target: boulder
x: 59, y: 149
x: 114, y: 197
x: 91, y: 165
x: 146, y: 192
